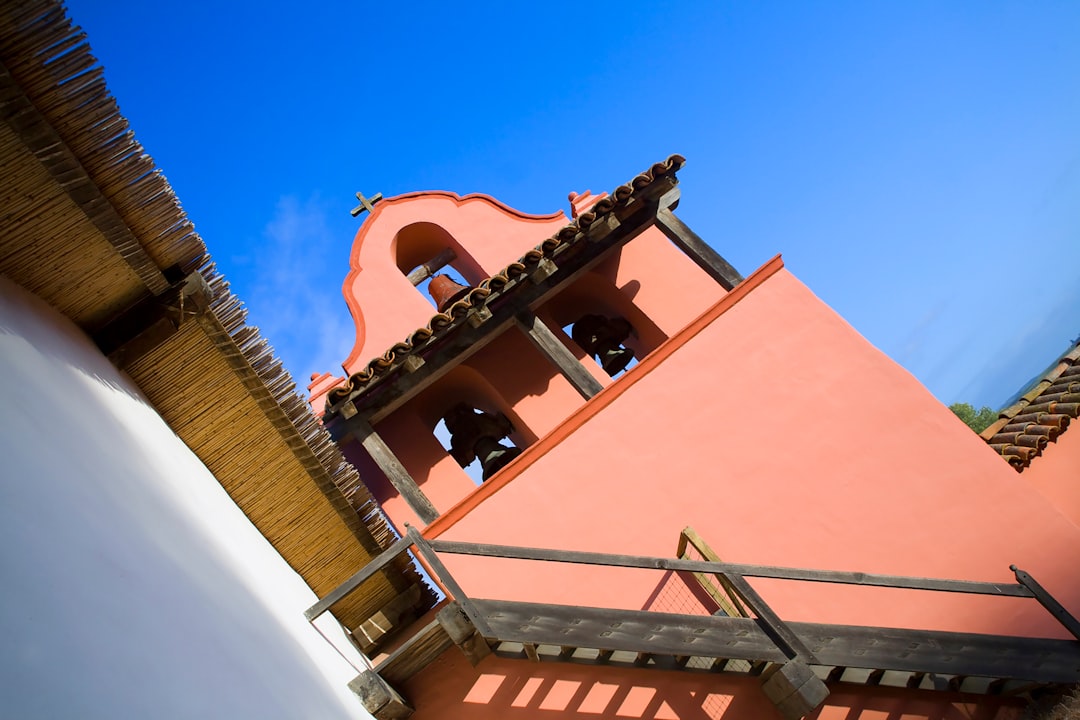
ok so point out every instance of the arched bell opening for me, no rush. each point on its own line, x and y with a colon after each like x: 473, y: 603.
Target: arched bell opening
x: 604, y: 323
x: 473, y: 423
x: 605, y: 337
x: 424, y: 252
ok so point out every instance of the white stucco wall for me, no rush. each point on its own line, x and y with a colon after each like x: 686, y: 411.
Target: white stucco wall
x: 132, y: 586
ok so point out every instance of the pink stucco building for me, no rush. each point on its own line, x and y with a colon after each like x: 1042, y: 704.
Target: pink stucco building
x: 753, y: 426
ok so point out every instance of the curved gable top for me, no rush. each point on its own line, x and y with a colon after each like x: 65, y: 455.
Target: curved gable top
x: 408, y: 230
x: 415, y: 327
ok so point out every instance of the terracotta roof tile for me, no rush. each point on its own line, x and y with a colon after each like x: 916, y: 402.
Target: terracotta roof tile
x: 1024, y: 429
x: 503, y: 281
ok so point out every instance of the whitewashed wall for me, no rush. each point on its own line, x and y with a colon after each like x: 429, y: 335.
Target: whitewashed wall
x: 131, y: 585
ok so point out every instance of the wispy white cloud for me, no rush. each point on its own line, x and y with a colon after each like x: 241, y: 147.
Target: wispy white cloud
x: 295, y: 296
x: 912, y: 349
x: 1028, y: 350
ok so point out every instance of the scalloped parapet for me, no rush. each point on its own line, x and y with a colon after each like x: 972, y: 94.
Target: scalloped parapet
x: 406, y: 231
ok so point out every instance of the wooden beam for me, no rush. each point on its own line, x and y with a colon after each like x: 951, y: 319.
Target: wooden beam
x: 634, y: 631
x: 544, y: 340
x: 765, y: 571
x: 771, y: 623
x: 384, y: 558
x: 432, y: 266
x: 931, y: 651
x: 690, y: 243
x: 393, y: 468
x: 147, y: 324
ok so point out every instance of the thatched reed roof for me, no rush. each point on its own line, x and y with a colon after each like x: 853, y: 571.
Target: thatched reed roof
x: 90, y: 225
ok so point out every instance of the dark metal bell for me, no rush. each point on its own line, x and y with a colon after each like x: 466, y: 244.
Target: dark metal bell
x: 615, y: 359
x: 445, y: 292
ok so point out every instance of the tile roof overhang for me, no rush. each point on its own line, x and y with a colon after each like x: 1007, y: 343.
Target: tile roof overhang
x: 1025, y: 428
x: 463, y: 328
x: 90, y: 225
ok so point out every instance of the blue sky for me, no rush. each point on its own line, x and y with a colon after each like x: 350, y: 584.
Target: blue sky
x: 917, y: 163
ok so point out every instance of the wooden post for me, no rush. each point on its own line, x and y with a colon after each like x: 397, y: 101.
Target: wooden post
x: 571, y: 368
x: 389, y: 463
x: 695, y: 248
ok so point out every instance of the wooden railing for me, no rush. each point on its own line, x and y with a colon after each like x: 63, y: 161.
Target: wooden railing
x: 762, y: 635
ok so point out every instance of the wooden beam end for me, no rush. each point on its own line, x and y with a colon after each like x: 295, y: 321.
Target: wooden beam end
x: 544, y: 269
x: 794, y: 689
x: 478, y: 316
x: 379, y: 699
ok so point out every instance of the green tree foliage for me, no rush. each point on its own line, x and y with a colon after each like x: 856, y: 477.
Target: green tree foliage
x: 977, y: 420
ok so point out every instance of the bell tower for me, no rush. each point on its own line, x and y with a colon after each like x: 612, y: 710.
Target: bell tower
x: 479, y: 329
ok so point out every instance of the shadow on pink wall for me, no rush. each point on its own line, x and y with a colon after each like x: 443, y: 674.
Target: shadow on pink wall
x: 510, y: 689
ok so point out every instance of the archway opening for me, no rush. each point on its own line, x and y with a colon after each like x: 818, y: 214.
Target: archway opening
x: 424, y: 250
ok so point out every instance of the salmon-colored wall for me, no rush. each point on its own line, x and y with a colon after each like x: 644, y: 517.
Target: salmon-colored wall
x: 1056, y: 474
x: 663, y: 281
x: 784, y: 438
x: 508, y: 689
